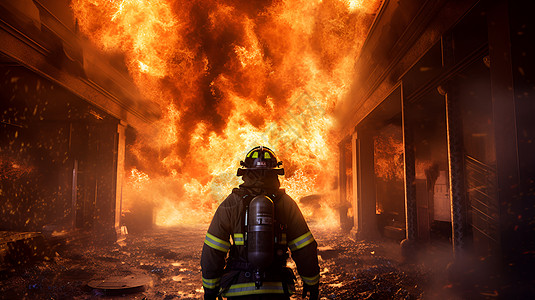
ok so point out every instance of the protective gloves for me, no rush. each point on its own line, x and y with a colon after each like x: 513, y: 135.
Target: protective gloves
x: 313, y: 290
x: 210, y: 294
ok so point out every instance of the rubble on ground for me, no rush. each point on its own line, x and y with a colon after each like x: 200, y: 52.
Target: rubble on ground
x: 171, y: 256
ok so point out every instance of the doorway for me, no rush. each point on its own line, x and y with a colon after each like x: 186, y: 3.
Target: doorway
x: 381, y: 200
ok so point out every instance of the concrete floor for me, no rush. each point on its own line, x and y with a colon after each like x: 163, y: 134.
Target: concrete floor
x: 170, y: 257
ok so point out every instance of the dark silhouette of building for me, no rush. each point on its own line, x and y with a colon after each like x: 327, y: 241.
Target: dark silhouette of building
x: 65, y: 108
x: 452, y: 83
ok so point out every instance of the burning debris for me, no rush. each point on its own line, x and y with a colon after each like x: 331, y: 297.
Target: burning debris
x: 13, y: 170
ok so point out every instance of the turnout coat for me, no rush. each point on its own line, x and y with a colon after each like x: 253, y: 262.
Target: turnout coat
x: 225, y: 269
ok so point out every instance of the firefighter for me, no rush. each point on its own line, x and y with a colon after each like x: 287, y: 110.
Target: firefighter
x: 255, y: 225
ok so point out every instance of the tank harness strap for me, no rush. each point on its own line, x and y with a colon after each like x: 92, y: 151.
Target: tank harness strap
x: 239, y: 265
x: 246, y: 200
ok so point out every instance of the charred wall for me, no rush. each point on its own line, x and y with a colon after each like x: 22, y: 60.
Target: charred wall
x: 65, y: 106
x: 466, y: 92
x: 35, y: 171
x: 58, y: 156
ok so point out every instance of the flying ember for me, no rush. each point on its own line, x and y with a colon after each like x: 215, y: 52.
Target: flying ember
x: 230, y: 75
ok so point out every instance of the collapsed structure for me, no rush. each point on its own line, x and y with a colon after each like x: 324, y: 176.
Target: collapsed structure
x: 437, y: 130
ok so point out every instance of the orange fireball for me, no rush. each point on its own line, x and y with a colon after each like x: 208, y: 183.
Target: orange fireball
x: 230, y: 75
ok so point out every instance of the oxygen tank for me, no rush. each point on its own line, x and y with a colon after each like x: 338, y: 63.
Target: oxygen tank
x: 260, y: 235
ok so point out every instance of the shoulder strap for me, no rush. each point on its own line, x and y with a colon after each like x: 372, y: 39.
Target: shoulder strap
x: 246, y: 199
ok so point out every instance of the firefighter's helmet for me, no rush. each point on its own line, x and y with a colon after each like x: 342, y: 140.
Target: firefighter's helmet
x: 261, y: 158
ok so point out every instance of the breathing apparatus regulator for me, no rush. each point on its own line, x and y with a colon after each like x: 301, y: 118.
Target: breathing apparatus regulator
x: 260, y: 214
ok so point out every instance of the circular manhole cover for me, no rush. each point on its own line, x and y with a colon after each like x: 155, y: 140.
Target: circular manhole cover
x: 121, y: 284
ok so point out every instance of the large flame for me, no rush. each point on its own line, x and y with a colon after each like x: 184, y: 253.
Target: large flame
x: 230, y: 75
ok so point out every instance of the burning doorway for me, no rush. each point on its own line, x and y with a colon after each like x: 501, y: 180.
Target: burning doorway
x: 379, y: 163
x: 390, y: 194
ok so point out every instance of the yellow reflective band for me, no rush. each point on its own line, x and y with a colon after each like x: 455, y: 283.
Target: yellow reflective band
x: 301, y: 241
x: 249, y: 288
x: 266, y: 155
x: 238, y: 239
x: 210, y: 283
x: 255, y: 154
x: 311, y: 280
x: 216, y: 243
x: 283, y: 240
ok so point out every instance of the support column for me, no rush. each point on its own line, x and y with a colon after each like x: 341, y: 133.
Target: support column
x: 121, y: 148
x: 512, y: 108
x: 367, y: 198
x: 356, y: 187
x: 342, y: 179
x: 456, y: 171
x: 108, y: 163
x: 346, y: 223
x: 410, y: 176
x: 74, y: 193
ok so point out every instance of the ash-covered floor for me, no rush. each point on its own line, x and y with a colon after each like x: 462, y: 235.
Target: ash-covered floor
x: 170, y: 258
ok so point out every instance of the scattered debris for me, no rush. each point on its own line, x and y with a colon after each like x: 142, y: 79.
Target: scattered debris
x: 163, y: 263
